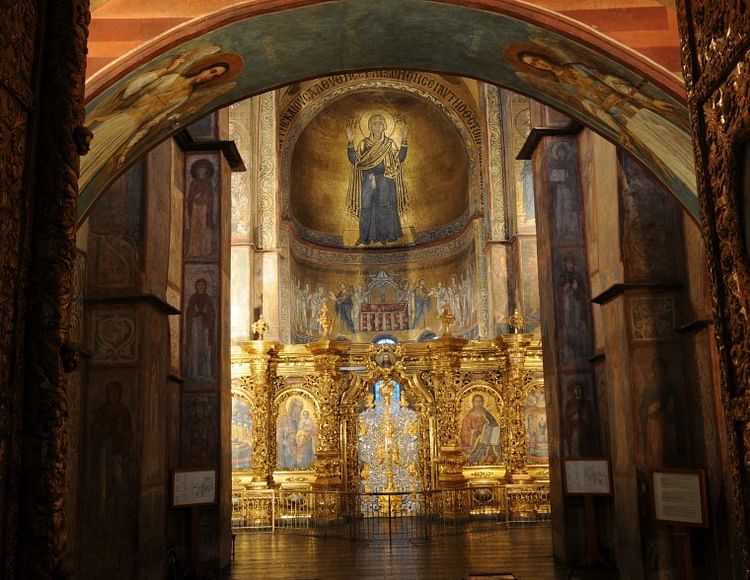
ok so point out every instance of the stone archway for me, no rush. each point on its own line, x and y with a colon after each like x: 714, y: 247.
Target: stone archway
x: 261, y: 45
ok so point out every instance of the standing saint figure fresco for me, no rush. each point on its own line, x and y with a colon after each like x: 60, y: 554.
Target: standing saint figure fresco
x: 644, y: 122
x: 201, y: 324
x: 344, y: 305
x: 377, y: 193
x: 480, y: 434
x: 200, y: 208
x: 153, y: 100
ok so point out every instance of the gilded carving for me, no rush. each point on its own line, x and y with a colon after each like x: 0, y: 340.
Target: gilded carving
x: 390, y: 415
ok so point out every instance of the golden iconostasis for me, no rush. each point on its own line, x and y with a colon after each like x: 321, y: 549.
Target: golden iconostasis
x: 392, y: 414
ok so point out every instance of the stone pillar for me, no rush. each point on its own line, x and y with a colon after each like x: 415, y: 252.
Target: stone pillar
x: 511, y: 217
x: 567, y: 328
x: 496, y: 226
x: 523, y: 294
x: 266, y: 201
x: 206, y: 391
x: 328, y: 383
x: 243, y: 291
x: 637, y: 270
x: 124, y: 402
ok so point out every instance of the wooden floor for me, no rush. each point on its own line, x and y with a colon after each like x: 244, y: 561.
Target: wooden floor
x: 525, y: 552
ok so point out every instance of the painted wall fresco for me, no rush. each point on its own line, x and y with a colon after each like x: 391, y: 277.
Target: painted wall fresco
x: 580, y: 423
x: 210, y: 71
x: 379, y: 167
x: 296, y: 433
x: 200, y: 435
x: 648, y: 218
x: 110, y: 486
x: 116, y: 234
x: 202, y: 208
x: 481, y: 433
x: 201, y: 325
x: 402, y: 300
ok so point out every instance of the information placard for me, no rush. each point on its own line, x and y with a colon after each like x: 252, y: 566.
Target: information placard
x: 193, y: 487
x: 679, y: 496
x: 587, y: 477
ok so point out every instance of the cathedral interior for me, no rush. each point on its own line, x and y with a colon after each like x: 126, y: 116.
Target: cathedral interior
x: 395, y: 289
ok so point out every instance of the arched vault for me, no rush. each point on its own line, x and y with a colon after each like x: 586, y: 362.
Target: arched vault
x: 211, y: 62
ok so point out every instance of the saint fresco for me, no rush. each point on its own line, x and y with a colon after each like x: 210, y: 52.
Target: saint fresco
x: 160, y: 96
x: 645, y: 123
x: 386, y: 303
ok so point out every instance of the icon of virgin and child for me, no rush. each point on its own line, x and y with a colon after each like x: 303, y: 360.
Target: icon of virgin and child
x: 296, y: 436
x: 377, y: 194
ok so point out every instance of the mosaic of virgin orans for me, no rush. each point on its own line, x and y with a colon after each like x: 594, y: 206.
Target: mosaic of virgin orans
x: 379, y: 168
x: 377, y: 194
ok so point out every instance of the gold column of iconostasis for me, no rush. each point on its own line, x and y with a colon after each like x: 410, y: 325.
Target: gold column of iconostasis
x: 369, y: 418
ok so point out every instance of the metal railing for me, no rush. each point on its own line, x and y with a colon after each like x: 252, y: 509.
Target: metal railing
x: 389, y: 516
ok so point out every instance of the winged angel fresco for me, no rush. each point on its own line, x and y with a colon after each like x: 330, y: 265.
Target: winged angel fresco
x: 158, y: 97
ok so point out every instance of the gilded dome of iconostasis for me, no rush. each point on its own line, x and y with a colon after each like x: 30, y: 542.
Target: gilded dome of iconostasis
x: 381, y: 195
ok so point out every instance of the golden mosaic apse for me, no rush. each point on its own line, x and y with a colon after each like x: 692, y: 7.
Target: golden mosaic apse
x: 433, y: 167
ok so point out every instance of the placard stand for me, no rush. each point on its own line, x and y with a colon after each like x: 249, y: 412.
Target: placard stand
x: 593, y: 555
x: 684, y: 551
x: 679, y: 499
x: 589, y: 478
x: 193, y: 488
x: 193, y: 542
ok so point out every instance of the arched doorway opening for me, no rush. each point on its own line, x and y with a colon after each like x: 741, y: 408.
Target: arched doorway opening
x: 143, y: 139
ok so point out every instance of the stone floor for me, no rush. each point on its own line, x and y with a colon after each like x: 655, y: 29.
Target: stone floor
x: 524, y: 552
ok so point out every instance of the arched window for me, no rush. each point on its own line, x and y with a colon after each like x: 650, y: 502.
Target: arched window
x: 385, y: 339
x: 427, y: 335
x: 396, y: 391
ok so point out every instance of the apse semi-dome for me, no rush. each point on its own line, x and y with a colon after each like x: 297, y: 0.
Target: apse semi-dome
x: 379, y: 168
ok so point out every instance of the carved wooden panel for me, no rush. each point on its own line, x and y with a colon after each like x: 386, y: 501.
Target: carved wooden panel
x: 54, y: 192
x: 716, y: 60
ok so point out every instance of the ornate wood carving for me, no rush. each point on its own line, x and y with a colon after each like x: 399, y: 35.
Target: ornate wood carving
x: 18, y: 29
x: 716, y: 61
x: 41, y: 523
